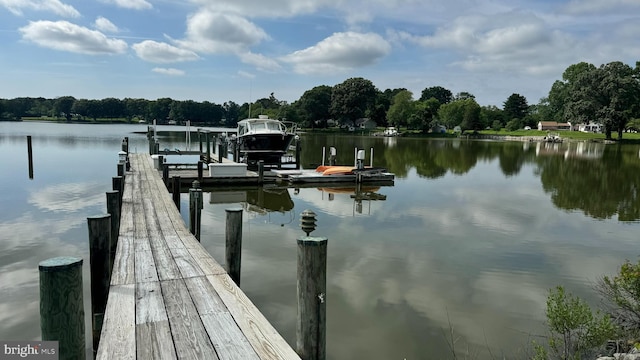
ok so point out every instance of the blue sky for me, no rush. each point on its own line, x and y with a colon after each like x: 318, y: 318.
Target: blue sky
x: 242, y: 50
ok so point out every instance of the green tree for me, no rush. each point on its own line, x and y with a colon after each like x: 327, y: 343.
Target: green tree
x: 516, y: 107
x: 62, y: 106
x: 622, y: 292
x: 458, y: 111
x: 352, y: 99
x: 444, y: 96
x: 314, y: 105
x: 402, y: 107
x: 492, y: 116
x: 609, y: 94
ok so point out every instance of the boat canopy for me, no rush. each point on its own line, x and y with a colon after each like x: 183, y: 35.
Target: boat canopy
x: 262, y: 125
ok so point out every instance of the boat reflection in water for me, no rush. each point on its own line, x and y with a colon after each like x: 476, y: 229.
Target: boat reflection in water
x: 274, y: 198
x: 358, y: 193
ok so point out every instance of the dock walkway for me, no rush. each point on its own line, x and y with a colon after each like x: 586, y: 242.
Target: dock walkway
x: 169, y: 299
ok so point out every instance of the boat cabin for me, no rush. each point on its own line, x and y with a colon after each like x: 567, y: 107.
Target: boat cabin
x: 260, y: 125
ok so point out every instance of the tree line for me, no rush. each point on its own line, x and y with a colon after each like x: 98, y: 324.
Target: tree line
x: 609, y: 94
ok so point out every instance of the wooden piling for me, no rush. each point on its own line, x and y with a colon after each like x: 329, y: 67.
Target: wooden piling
x: 30, y: 156
x: 117, y: 183
x: 61, y: 305
x: 99, y: 253
x: 113, y: 208
x: 208, y: 156
x: 200, y: 169
x: 298, y: 154
x: 121, y: 167
x: 312, y: 285
x: 261, y: 172
x: 220, y: 151
x: 175, y: 191
x: 233, y: 243
x: 165, y: 175
x: 195, y: 209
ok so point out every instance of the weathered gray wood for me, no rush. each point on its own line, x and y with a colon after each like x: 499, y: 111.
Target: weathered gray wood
x: 233, y: 243
x: 312, y: 290
x: 264, y: 339
x: 195, y: 211
x: 175, y: 191
x: 118, y: 338
x: 113, y: 209
x: 123, y: 264
x: 149, y: 303
x: 61, y: 305
x: 99, y: 258
x: 154, y: 341
x: 117, y: 184
x: 174, y: 311
x: 189, y: 335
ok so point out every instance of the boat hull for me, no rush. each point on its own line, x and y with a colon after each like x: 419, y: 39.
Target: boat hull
x: 265, y: 142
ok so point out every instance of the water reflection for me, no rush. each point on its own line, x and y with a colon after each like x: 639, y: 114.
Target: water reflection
x: 600, y: 180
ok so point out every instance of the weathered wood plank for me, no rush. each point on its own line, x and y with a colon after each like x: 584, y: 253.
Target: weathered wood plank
x: 118, y: 338
x: 145, y: 267
x: 186, y: 263
x: 207, y: 264
x: 149, y: 303
x: 189, y: 335
x: 229, y: 344
x: 264, y: 338
x: 155, y: 341
x: 123, y: 265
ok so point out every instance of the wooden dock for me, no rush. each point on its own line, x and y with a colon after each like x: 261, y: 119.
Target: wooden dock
x: 169, y: 299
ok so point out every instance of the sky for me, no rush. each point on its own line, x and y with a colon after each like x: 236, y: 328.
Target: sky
x: 243, y: 50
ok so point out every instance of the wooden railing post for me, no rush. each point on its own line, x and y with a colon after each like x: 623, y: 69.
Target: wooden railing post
x: 233, y: 243
x: 62, y: 306
x: 117, y: 183
x: 99, y: 253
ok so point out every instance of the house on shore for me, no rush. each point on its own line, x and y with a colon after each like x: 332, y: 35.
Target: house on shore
x: 552, y: 125
x: 365, y: 124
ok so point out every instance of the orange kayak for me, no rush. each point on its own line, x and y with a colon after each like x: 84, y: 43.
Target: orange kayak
x: 334, y: 170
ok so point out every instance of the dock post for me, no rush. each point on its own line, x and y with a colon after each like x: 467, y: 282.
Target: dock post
x: 30, y: 156
x: 195, y: 209
x: 121, y: 167
x: 208, y: 156
x: 260, y: 172
x: 312, y: 285
x: 220, y: 151
x: 175, y: 191
x: 113, y: 208
x: 200, y: 166
x: 118, y: 185
x: 99, y: 248
x: 298, y: 154
x: 165, y: 175
x: 61, y: 305
x: 156, y: 147
x: 233, y: 248
x: 160, y: 162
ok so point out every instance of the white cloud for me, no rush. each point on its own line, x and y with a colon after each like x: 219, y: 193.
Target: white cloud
x: 601, y: 6
x: 265, y: 8
x: 339, y: 52
x: 214, y: 32
x: 131, y: 4
x: 505, y: 42
x: 169, y: 71
x: 55, y: 6
x: 65, y: 36
x: 157, y: 52
x: 260, y: 61
x: 246, y: 75
x: 103, y: 24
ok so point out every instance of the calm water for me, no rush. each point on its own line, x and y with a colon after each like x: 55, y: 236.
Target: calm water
x: 470, y: 238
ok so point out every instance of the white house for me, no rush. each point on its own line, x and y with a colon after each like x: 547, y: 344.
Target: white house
x: 590, y: 127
